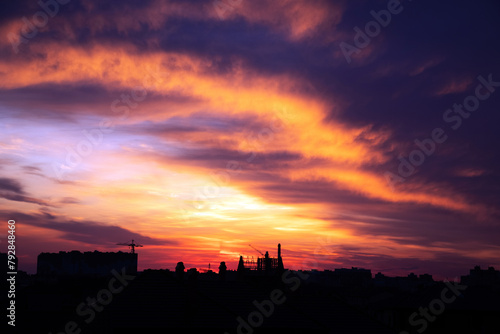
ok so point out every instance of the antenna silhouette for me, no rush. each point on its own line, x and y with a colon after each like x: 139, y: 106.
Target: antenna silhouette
x: 132, y: 245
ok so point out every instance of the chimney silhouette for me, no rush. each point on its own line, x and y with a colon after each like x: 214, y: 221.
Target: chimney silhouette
x: 281, y: 268
x: 241, y: 268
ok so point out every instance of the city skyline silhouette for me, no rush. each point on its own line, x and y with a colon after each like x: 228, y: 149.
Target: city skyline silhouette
x: 324, y: 166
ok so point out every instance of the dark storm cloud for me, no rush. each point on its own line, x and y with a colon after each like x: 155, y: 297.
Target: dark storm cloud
x: 16, y: 9
x: 11, y: 185
x: 420, y: 225
x: 278, y: 190
x: 33, y: 170
x: 384, y: 92
x: 225, y: 43
x: 219, y: 41
x: 69, y: 200
x: 90, y: 232
x: 13, y: 190
x: 63, y: 94
x: 21, y: 198
x: 196, y: 122
x: 53, y: 101
x: 218, y: 158
x: 68, y: 103
x: 19, y: 8
x: 212, y: 153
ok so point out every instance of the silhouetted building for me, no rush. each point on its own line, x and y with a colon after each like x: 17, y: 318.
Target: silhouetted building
x: 478, y: 276
x: 88, y: 263
x: 265, y: 264
x: 411, y: 282
x: 329, y: 301
x: 222, y: 270
x: 241, y: 265
x: 353, y: 277
x: 425, y: 278
x: 179, y: 270
x: 192, y: 274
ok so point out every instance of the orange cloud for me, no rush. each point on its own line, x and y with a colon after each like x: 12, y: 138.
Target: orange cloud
x: 298, y: 19
x: 302, y: 128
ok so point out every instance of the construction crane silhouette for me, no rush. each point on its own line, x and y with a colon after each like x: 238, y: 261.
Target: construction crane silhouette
x: 132, y: 245
x: 256, y: 250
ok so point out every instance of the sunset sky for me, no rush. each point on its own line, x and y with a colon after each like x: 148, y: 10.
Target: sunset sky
x: 197, y: 128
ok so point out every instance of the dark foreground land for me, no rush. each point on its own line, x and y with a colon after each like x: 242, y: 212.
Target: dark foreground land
x: 159, y: 301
